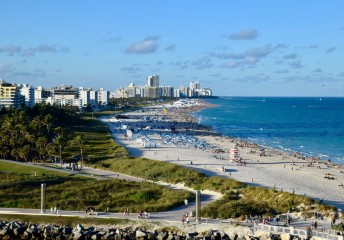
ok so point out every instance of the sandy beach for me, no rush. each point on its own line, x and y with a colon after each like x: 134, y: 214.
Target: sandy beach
x: 169, y: 133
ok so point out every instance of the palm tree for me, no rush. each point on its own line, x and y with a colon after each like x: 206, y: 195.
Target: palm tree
x: 15, y: 153
x: 80, y: 142
x: 41, y: 144
x: 39, y: 122
x: 60, y: 142
x: 61, y: 131
x: 52, y: 150
x: 24, y: 152
x: 30, y: 138
x: 48, y: 121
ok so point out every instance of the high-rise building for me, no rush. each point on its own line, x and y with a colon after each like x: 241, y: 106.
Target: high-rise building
x: 84, y: 95
x: 132, y: 90
x: 41, y: 94
x: 195, y: 85
x: 65, y: 95
x: 94, y: 98
x: 183, y: 91
x: 29, y: 94
x: 103, y: 97
x: 153, y: 81
x: 10, y: 95
x: 152, y: 92
x: 167, y: 91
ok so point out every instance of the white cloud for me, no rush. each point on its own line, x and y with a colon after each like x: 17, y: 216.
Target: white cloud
x: 246, y: 34
x: 310, y: 46
x: 31, y: 51
x: 148, y: 45
x: 202, y: 63
x: 5, y: 67
x: 115, y: 39
x: 296, y: 64
x: 231, y: 64
x: 11, y: 49
x: 290, y: 56
x: 331, y: 49
x: 260, y: 77
x: 170, y: 48
x: 282, y: 71
x: 46, y: 48
x: 250, y: 57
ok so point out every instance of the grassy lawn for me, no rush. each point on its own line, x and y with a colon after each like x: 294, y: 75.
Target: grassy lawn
x: 21, y: 188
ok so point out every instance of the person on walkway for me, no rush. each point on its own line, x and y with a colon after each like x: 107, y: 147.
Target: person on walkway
x: 315, y: 225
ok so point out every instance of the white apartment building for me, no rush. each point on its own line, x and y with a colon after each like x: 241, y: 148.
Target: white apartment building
x: 41, y: 94
x: 152, y: 92
x: 94, y: 98
x: 153, y: 81
x: 195, y: 85
x: 85, y: 96
x: 103, y: 97
x: 29, y: 94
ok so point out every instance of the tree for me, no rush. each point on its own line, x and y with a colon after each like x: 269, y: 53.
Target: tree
x: 41, y: 144
x: 80, y: 142
x: 48, y: 121
x: 24, y: 152
x: 52, y: 150
x: 60, y: 142
x: 39, y: 122
x: 15, y: 153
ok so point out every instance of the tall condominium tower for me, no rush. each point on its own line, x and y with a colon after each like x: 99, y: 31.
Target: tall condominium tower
x: 195, y: 85
x: 153, y: 81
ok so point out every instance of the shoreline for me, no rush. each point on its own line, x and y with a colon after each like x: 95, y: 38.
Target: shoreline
x: 196, y: 146
x: 267, y: 142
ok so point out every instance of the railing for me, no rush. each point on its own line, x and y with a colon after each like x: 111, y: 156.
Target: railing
x: 299, y: 232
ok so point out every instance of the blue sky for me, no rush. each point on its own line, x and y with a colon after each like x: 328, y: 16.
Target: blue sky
x: 238, y: 48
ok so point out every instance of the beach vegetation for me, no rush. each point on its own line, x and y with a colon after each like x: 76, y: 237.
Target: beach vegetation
x: 65, y: 221
x: 20, y: 188
x: 258, y: 201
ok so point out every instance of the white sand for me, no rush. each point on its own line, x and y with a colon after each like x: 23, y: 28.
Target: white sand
x: 279, y: 169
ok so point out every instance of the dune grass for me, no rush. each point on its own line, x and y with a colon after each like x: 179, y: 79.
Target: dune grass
x: 21, y: 189
x: 64, y: 221
x: 260, y: 201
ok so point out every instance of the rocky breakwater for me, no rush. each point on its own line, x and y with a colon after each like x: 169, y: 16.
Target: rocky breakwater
x: 20, y: 230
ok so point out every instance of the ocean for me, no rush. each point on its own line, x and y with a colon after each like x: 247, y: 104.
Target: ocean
x: 309, y: 125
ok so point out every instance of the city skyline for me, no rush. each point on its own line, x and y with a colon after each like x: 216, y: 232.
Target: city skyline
x: 249, y: 48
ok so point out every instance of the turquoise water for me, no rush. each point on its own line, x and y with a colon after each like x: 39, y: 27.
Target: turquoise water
x: 312, y: 126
